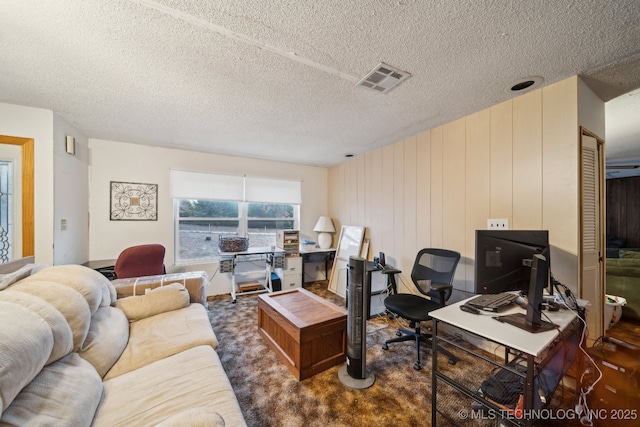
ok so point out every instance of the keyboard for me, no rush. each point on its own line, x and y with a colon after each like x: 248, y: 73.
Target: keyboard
x: 493, y: 302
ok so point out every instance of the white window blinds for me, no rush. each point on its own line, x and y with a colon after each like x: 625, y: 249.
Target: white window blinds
x: 202, y: 185
x: 263, y: 190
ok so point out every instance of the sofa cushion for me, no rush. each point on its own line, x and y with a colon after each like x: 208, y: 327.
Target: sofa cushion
x: 67, y: 301
x: 26, y: 342
x: 93, y: 286
x: 108, y: 336
x: 164, y: 335
x: 623, y: 267
x: 156, y: 301
x: 196, y: 417
x: 193, y: 378
x: 62, y: 336
x: 9, y: 279
x: 66, y: 392
x: 629, y: 254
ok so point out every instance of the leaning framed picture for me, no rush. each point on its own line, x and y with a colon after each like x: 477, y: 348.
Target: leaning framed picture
x: 131, y: 201
x: 349, y: 244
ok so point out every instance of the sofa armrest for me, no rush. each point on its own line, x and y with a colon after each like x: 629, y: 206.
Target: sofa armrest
x: 194, y: 281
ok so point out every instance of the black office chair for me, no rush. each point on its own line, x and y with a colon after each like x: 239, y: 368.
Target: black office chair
x: 432, y: 274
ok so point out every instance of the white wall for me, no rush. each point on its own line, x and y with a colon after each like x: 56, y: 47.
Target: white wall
x: 126, y: 162
x: 36, y: 123
x: 71, y: 196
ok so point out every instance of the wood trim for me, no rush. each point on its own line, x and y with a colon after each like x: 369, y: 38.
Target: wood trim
x: 28, y: 192
x: 600, y: 326
x: 603, y: 197
x: 587, y: 132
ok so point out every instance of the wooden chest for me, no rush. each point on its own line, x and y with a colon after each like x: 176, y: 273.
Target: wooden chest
x: 308, y: 333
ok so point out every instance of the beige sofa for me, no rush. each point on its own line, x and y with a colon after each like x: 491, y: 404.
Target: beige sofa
x: 73, y: 354
x: 623, y: 279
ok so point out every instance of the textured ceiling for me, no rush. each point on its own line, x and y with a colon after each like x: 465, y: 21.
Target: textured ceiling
x: 276, y: 79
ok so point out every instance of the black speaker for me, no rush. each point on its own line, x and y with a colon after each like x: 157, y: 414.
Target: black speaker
x: 354, y: 373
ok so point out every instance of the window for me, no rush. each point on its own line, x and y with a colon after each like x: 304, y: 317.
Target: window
x: 208, y: 205
x: 200, y: 224
x: 6, y: 210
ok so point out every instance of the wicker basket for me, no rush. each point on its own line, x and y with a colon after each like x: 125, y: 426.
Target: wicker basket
x: 233, y: 244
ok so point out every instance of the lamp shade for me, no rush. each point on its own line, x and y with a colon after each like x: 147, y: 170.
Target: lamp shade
x: 324, y: 225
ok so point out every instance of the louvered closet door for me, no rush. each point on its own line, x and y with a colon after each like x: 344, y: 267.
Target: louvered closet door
x: 592, y: 207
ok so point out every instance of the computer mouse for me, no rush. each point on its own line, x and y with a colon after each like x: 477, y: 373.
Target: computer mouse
x: 469, y: 309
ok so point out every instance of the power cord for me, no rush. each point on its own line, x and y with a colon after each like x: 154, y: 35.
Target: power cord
x: 582, y: 407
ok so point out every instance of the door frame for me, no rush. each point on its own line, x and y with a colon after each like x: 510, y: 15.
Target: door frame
x: 28, y: 211
x: 600, y: 323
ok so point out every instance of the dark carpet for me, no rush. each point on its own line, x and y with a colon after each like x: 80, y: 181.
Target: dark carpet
x: 270, y: 395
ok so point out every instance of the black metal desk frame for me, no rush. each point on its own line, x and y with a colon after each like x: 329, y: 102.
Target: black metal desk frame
x: 534, y: 365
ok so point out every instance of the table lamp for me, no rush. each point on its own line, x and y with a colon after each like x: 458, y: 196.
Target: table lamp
x: 324, y: 226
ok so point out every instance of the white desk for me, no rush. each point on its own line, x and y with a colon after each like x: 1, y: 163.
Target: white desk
x: 502, y: 333
x: 235, y: 256
x: 536, y: 348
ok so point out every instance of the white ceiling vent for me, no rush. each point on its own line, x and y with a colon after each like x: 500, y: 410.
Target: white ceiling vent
x: 383, y: 78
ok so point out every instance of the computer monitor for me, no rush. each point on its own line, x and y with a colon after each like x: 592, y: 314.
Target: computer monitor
x: 532, y: 320
x: 504, y: 258
x: 537, y: 284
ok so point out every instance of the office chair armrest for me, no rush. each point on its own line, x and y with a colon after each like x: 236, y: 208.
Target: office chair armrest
x: 390, y: 271
x: 440, y: 287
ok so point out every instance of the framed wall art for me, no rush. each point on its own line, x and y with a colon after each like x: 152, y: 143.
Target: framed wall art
x: 132, y: 201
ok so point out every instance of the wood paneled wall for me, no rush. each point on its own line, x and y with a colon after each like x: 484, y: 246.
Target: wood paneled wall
x: 516, y: 160
x: 623, y: 210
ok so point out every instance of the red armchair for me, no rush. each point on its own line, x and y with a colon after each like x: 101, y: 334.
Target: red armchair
x: 142, y: 260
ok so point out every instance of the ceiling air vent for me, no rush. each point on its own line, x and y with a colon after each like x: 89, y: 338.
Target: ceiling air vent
x: 383, y: 78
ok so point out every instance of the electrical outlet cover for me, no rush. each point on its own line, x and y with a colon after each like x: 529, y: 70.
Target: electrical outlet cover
x: 498, y: 224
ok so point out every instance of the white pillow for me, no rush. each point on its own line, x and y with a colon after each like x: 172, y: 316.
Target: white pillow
x: 159, y: 300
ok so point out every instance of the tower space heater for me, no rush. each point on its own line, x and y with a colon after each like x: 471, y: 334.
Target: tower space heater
x: 354, y: 373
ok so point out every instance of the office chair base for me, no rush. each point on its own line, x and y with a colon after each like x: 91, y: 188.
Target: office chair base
x: 419, y: 338
x: 407, y: 335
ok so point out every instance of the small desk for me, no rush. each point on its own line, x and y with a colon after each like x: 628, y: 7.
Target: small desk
x: 317, y: 255
x: 237, y: 256
x: 378, y: 290
x: 537, y: 349
x: 104, y: 266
